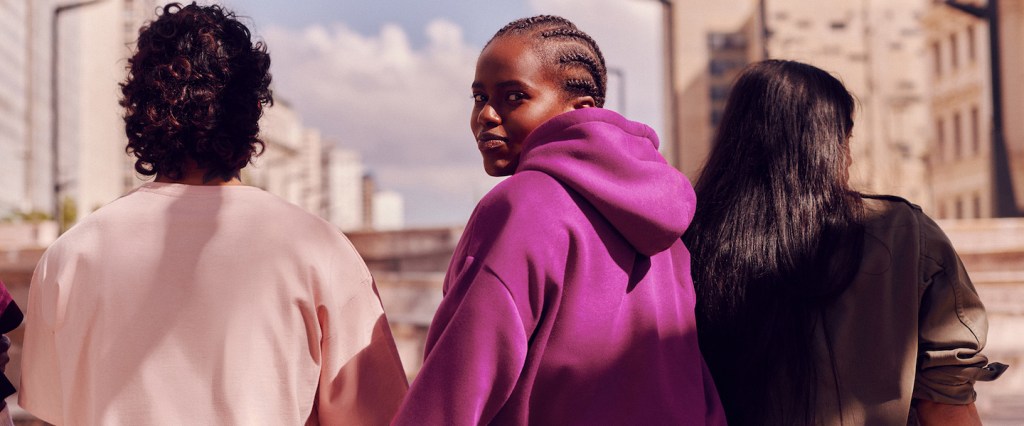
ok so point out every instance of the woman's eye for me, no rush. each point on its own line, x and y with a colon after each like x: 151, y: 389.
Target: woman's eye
x: 515, y: 96
x: 479, y: 98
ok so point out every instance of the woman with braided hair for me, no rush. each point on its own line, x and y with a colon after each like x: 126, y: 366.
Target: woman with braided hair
x: 568, y: 299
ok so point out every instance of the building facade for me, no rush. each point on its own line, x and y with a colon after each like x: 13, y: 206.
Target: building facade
x: 875, y: 47
x: 961, y: 151
x: 973, y: 174
x: 703, y: 33
x: 291, y: 165
x: 75, y: 94
x: 345, y: 188
x: 15, y: 75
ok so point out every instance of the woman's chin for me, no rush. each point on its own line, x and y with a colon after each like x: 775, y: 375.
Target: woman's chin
x: 499, y: 168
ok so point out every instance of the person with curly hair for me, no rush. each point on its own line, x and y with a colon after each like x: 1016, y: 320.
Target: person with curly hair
x: 195, y: 299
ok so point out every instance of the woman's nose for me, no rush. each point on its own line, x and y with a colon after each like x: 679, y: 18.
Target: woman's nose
x: 488, y: 115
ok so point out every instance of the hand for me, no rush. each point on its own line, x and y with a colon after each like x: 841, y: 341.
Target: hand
x: 5, y: 344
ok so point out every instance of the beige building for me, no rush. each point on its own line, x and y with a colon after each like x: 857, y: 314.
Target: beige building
x: 705, y: 31
x: 14, y: 92
x: 965, y: 160
x: 99, y: 40
x: 92, y: 45
x: 291, y: 166
x: 875, y: 47
x: 960, y: 113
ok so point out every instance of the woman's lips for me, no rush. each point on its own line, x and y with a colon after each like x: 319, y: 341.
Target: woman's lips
x: 491, y: 144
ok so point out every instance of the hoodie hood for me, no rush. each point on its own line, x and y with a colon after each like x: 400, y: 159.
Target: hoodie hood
x: 615, y: 165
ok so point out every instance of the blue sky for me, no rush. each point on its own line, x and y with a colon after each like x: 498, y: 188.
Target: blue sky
x: 390, y: 79
x: 479, y: 19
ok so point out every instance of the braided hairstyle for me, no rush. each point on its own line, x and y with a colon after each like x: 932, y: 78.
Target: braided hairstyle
x: 561, y: 44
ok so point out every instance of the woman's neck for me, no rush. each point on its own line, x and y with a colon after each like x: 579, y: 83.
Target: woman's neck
x: 195, y: 176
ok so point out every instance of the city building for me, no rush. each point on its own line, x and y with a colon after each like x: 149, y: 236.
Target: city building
x: 966, y: 159
x: 15, y: 75
x: 93, y: 41
x: 345, y: 172
x: 291, y: 166
x: 388, y: 211
x: 876, y: 47
x: 860, y: 42
x: 703, y: 31
x: 354, y: 200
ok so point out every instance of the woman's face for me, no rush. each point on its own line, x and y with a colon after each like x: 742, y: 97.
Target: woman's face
x: 513, y: 93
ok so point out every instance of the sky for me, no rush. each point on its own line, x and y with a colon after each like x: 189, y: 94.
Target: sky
x: 391, y: 80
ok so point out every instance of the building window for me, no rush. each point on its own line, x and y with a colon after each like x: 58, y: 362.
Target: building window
x: 957, y: 139
x: 954, y: 53
x: 937, y: 58
x: 942, y: 210
x: 975, y: 131
x: 719, y: 67
x: 972, y: 53
x: 727, y: 41
x: 719, y: 93
x: 716, y: 117
x: 959, y: 208
x: 977, y: 206
x: 940, y: 139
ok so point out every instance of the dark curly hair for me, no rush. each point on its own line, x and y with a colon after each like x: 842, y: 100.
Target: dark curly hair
x: 195, y: 91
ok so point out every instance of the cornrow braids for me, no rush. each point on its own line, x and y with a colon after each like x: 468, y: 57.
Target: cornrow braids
x: 568, y: 48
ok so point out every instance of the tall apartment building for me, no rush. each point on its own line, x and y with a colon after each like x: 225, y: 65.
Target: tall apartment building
x: 345, y: 173
x: 14, y: 103
x: 875, y: 46
x: 291, y: 165
x: 92, y: 45
x: 965, y: 159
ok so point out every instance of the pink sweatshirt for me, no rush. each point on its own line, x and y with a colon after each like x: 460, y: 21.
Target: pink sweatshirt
x: 187, y: 305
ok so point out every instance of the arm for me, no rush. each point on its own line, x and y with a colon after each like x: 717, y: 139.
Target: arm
x: 476, y: 350
x: 951, y: 334
x: 40, y: 390
x: 362, y: 380
x: 934, y: 413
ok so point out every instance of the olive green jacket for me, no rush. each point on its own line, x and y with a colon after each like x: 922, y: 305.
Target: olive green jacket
x: 910, y: 326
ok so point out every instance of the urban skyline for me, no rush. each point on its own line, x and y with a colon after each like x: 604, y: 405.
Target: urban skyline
x: 894, y: 139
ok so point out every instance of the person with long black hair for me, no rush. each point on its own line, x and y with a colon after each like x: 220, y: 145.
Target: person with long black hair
x: 817, y: 304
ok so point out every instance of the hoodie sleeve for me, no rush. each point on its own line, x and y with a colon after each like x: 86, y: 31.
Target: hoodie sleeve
x: 479, y: 339
x: 475, y: 351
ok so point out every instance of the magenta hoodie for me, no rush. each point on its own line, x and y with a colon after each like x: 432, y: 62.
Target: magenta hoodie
x: 569, y: 299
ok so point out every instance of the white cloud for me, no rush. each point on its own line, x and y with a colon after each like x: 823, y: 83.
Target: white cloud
x: 405, y: 109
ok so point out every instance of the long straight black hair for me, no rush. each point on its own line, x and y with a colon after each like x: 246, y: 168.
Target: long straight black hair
x: 776, y: 237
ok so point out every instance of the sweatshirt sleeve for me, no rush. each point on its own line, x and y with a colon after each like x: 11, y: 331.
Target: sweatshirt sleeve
x: 40, y: 389
x: 952, y: 326
x: 362, y: 381
x: 475, y: 352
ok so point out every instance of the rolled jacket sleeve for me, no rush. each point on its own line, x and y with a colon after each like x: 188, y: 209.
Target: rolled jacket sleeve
x: 952, y: 325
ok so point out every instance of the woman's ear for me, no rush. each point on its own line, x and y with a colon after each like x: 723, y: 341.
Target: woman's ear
x: 583, y: 102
